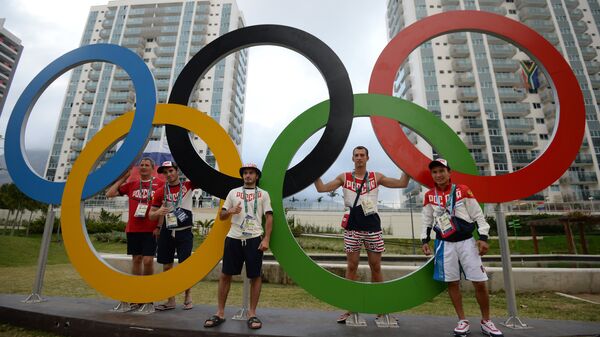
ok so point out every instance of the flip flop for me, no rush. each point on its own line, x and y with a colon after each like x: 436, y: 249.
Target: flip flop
x: 187, y: 305
x: 213, y: 321
x: 343, y: 317
x: 164, y: 307
x: 254, y: 320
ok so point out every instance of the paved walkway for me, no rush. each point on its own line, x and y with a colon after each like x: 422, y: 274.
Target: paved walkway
x: 91, y: 317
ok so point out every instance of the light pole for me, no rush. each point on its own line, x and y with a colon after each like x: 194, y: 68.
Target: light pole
x: 591, y: 199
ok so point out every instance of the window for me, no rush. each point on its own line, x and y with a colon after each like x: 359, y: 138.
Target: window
x: 537, y: 105
x: 539, y: 120
x: 543, y: 136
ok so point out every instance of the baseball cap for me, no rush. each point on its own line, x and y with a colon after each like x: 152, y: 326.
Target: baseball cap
x: 165, y: 165
x: 252, y: 166
x: 439, y: 162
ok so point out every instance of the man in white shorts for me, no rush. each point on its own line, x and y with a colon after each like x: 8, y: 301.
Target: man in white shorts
x: 453, y: 213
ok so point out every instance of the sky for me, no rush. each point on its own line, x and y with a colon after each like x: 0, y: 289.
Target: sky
x: 281, y: 84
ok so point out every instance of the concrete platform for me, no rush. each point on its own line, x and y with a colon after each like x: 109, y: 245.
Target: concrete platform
x: 91, y: 318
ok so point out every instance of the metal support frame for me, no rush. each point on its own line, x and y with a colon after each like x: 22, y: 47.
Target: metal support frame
x: 355, y: 320
x: 122, y: 307
x: 36, y: 295
x: 145, y: 309
x: 385, y: 321
x: 513, y: 321
x: 242, y: 314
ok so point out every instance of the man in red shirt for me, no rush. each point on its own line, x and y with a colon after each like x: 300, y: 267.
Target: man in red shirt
x: 173, y: 203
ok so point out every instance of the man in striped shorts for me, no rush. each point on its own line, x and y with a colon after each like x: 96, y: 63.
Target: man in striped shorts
x: 363, y: 226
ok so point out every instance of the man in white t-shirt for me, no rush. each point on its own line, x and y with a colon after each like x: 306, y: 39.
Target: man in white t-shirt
x: 245, y: 242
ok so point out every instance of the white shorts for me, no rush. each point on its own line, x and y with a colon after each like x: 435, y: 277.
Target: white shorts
x: 455, y: 258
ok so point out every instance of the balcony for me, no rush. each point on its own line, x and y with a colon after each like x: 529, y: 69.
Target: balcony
x: 588, y: 53
x: 549, y: 110
x: 584, y: 40
x: 85, y: 109
x: 169, y: 30
x: 88, y: 97
x: 134, y: 31
x: 583, y: 159
x: 165, y: 51
x: 118, y: 108
x: 459, y: 51
x: 105, y: 34
x: 595, y: 80
x: 82, y: 121
x: 156, y: 132
x: 133, y: 42
x: 166, y: 11
x: 507, y: 79
x: 574, y: 177
x: 96, y: 65
x: 474, y: 141
x: 162, y: 72
x: 466, y: 94
x: 496, y: 10
x: 162, y: 62
x: 198, y: 40
x: 469, y: 109
x: 505, y: 65
x: 94, y: 75
x: 450, y: 2
x: 540, y: 25
x: 79, y: 133
x: 491, y: 2
x: 121, y: 96
x: 519, y: 125
x: 462, y: 65
x: 530, y: 3
x: 534, y: 13
x: 522, y: 158
x: 576, y: 14
x: 480, y: 157
x: 122, y: 85
x: 470, y: 125
x: 496, y: 40
x: 457, y: 38
x: 546, y: 95
x: 502, y: 51
x: 464, y: 79
x: 580, y: 27
x: 571, y: 4
x: 522, y: 141
x: 91, y: 86
x: 166, y: 40
x: 77, y: 145
x: 162, y: 84
x: 510, y: 94
x: 449, y: 8
x: 110, y: 14
x: 551, y: 37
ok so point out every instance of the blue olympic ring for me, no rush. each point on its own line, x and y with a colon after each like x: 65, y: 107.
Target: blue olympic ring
x: 19, y: 169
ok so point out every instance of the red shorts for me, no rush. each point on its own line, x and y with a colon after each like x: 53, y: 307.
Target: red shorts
x: 354, y: 240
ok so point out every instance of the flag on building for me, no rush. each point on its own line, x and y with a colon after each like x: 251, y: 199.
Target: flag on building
x: 529, y: 74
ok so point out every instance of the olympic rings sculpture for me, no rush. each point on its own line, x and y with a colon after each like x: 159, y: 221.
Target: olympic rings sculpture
x: 335, y: 115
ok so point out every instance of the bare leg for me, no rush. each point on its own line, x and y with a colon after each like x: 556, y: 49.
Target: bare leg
x: 148, y: 262
x: 136, y: 264
x: 456, y: 297
x: 255, y: 286
x: 224, y: 285
x: 171, y: 300
x: 375, y: 265
x: 483, y: 299
x: 352, y: 260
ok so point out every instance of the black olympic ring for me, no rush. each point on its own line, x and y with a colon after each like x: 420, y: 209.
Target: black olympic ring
x: 338, y: 124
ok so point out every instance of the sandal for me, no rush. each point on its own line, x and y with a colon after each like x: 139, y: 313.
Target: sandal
x: 187, y: 305
x: 213, y: 321
x: 343, y: 317
x: 254, y: 320
x: 164, y: 307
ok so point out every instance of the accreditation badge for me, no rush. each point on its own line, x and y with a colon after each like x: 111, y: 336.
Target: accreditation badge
x: 445, y: 225
x: 140, y: 210
x: 368, y: 206
x: 171, y: 220
x: 180, y: 214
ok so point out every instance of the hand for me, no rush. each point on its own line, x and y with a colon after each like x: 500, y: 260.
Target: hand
x: 483, y: 247
x: 156, y: 232
x: 426, y: 249
x: 237, y: 209
x: 163, y: 210
x: 264, y: 244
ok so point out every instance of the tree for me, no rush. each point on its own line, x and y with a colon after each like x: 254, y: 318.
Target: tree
x: 333, y: 194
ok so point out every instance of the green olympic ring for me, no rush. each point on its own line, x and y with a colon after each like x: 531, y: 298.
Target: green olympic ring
x: 391, y: 296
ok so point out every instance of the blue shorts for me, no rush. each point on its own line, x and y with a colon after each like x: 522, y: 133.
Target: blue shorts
x: 141, y: 243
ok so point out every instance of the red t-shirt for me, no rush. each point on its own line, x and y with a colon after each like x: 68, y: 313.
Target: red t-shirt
x: 186, y: 196
x: 136, y: 195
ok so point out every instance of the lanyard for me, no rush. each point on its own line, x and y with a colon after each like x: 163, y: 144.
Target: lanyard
x: 149, y: 198
x: 246, y: 200
x: 365, y: 182
x: 179, y: 196
x: 450, y: 199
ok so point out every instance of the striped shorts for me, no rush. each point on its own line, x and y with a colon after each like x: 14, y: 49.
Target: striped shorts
x: 353, y: 241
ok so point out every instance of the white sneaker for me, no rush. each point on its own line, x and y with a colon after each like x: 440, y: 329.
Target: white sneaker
x: 488, y: 328
x: 462, y: 328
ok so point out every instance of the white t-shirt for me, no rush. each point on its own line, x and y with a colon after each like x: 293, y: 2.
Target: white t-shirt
x: 248, y: 223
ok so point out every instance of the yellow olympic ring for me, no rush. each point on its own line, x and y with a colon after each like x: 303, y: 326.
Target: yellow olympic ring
x: 143, y: 289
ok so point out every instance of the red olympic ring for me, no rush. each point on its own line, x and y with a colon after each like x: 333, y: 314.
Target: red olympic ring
x: 534, y: 177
